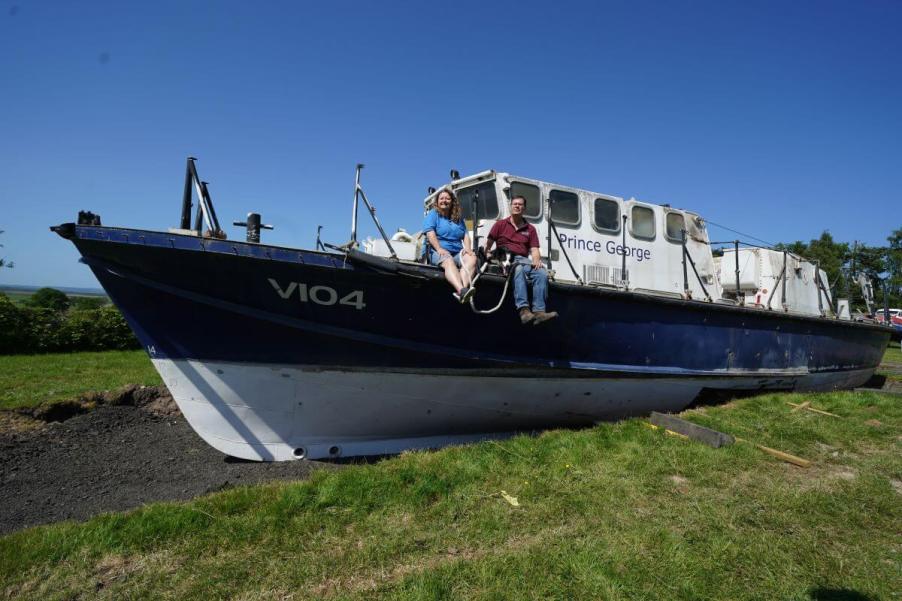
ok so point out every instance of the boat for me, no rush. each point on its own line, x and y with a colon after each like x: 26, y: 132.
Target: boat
x: 276, y: 353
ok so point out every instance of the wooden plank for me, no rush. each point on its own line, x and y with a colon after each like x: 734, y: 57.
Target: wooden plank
x: 710, y: 437
x: 779, y: 454
x: 807, y: 406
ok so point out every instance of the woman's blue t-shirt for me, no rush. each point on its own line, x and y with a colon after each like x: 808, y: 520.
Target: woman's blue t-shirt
x: 450, y: 233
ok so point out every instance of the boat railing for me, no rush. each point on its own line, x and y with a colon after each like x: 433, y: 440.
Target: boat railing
x: 358, y: 195
x: 687, y: 257
x: 825, y: 300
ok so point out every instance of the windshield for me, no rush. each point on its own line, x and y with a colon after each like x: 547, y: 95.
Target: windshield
x: 488, y: 200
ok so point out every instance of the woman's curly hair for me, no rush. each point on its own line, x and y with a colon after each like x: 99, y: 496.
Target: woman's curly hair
x: 455, y: 204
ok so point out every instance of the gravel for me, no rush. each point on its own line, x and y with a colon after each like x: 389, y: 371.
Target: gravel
x: 115, y: 458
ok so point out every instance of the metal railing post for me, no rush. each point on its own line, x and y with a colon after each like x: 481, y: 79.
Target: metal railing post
x: 686, y: 292
x: 623, y: 278
x: 354, y: 208
x: 817, y: 282
x: 783, y: 289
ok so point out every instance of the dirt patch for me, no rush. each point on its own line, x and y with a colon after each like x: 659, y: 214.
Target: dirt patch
x: 112, y: 452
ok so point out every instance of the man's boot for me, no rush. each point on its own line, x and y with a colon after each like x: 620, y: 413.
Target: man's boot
x: 542, y: 316
x: 526, y: 316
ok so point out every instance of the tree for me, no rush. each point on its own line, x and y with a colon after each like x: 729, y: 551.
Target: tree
x: 3, y: 261
x: 894, y: 266
x: 843, y: 263
x: 49, y: 298
x: 831, y: 255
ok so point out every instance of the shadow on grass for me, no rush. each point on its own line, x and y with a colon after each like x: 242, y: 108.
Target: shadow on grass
x: 838, y: 594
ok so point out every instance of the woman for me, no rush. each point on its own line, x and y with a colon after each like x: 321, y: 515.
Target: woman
x: 449, y: 244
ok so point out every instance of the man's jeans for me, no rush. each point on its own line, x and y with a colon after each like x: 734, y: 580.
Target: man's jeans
x: 537, y: 279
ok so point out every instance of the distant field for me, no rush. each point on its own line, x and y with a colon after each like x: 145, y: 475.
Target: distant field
x: 19, y: 296
x: 616, y: 512
x: 16, y: 296
x: 28, y: 380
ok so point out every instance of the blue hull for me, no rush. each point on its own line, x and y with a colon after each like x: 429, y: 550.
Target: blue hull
x: 190, y: 298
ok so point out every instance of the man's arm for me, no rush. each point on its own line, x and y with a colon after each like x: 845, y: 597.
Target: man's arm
x: 536, y: 257
x: 534, y: 248
x: 490, y: 239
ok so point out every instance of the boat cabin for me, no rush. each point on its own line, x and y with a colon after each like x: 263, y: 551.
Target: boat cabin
x: 604, y: 240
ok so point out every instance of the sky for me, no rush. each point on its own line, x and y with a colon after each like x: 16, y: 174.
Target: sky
x: 776, y: 119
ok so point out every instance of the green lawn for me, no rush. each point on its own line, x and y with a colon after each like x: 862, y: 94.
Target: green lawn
x: 619, y: 511
x: 28, y: 380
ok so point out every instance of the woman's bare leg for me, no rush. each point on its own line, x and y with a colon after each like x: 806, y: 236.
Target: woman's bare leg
x: 469, y: 269
x: 452, y: 274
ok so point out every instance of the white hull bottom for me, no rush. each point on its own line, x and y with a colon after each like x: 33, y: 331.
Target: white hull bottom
x: 277, y: 413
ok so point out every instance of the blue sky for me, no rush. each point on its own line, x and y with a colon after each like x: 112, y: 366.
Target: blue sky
x: 779, y: 119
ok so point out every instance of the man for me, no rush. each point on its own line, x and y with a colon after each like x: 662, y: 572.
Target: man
x: 519, y: 238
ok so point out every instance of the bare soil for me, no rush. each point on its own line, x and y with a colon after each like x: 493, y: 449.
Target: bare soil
x: 112, y: 451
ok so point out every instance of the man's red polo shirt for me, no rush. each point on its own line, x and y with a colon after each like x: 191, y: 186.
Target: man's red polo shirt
x: 517, y: 240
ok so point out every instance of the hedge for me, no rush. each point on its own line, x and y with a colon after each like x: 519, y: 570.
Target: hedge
x: 25, y: 330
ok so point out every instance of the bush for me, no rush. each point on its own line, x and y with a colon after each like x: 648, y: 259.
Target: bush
x: 85, y: 303
x: 49, y: 298
x: 39, y: 330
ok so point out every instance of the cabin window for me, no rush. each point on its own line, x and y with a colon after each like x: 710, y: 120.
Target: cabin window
x: 675, y: 224
x: 488, y: 201
x: 607, y: 215
x: 642, y: 222
x: 533, y: 199
x: 564, y: 207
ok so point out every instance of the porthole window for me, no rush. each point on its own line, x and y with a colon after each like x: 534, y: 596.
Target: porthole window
x: 675, y: 224
x: 564, y: 207
x: 642, y: 222
x: 533, y: 198
x: 607, y: 215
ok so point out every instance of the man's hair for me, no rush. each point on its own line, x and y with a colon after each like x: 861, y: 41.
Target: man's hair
x: 520, y: 196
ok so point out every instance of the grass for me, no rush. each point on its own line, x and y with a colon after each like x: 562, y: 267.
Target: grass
x: 619, y: 511
x: 28, y: 380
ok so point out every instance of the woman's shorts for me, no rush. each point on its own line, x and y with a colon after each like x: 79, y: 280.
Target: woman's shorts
x: 434, y: 259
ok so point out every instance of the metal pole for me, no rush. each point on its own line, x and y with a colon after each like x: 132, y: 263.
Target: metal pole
x: 685, y: 273
x: 354, y: 210
x: 550, y: 212
x: 474, y: 208
x: 623, y: 278
x: 817, y: 280
x: 372, y: 211
x: 736, y: 252
x: 886, y: 320
x: 783, y: 289
x: 186, y: 197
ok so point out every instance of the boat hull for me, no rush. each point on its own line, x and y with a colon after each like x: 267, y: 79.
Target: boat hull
x: 276, y: 354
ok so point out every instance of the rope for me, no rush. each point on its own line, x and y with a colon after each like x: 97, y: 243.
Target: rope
x: 769, y: 244
x: 507, y: 282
